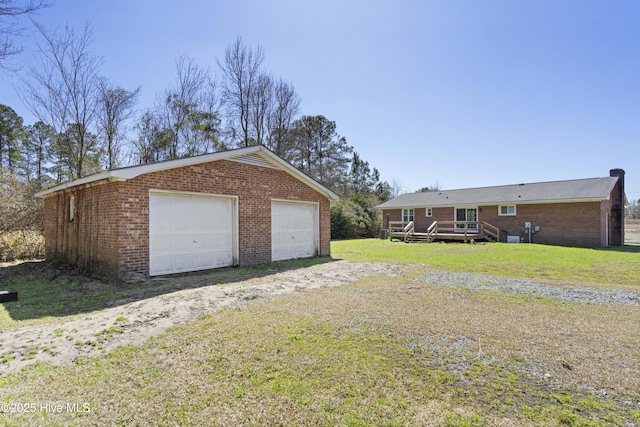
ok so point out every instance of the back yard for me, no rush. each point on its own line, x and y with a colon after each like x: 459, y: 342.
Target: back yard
x: 381, y: 334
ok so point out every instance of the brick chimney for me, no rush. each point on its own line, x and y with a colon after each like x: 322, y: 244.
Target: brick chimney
x: 616, y: 224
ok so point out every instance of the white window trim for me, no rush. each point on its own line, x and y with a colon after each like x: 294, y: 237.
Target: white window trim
x: 410, y: 214
x: 466, y: 208
x: 72, y: 208
x: 428, y: 212
x: 506, y: 214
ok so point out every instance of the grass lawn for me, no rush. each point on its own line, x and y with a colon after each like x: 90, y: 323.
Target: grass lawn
x: 614, y: 266
x: 385, y: 351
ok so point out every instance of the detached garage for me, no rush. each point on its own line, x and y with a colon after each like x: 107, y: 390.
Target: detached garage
x: 238, y: 207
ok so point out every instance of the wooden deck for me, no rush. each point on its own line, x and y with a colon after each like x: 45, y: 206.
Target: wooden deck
x: 460, y: 231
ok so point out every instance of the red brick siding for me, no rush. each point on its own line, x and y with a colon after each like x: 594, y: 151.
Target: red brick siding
x: 90, y: 240
x: 111, y: 231
x: 564, y: 224
x: 255, y: 187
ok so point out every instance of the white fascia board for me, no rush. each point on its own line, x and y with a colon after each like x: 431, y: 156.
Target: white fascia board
x: 86, y: 180
x: 135, y: 171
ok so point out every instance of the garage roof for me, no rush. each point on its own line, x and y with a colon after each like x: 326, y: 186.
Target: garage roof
x: 257, y: 155
x: 591, y: 189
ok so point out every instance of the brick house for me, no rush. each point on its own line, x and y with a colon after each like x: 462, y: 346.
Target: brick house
x: 581, y: 213
x: 231, y: 208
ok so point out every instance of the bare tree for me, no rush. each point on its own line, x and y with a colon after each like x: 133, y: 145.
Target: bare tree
x: 241, y: 69
x: 177, y: 105
x: 10, y: 10
x: 286, y: 106
x: 204, y: 124
x: 62, y: 92
x: 115, y: 108
x: 397, y: 188
x: 260, y: 107
x: 148, y: 146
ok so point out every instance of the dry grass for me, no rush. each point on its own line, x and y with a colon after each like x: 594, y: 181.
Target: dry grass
x: 632, y: 229
x: 382, y: 351
x: 26, y: 244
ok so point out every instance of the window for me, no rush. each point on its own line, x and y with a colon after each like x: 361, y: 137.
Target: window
x: 72, y: 208
x: 407, y: 215
x: 429, y: 212
x: 466, y: 218
x: 507, y: 210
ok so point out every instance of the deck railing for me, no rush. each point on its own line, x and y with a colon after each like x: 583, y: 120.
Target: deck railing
x: 397, y: 226
x: 491, y: 230
x: 466, y: 230
x: 401, y: 229
x: 466, y: 227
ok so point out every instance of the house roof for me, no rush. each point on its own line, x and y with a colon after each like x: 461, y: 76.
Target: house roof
x: 591, y: 189
x: 257, y: 155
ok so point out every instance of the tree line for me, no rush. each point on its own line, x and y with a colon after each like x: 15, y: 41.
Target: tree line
x: 86, y: 124
x: 632, y: 210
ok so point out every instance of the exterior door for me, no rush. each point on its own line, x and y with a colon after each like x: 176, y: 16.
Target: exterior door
x: 470, y: 215
x: 190, y: 232
x: 294, y: 230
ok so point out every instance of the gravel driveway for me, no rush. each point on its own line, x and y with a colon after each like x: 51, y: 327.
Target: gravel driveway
x: 525, y: 287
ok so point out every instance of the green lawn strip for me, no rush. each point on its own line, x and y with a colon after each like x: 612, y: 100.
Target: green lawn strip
x: 552, y: 263
x: 292, y: 362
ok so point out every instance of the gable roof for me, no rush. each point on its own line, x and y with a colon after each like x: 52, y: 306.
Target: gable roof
x: 257, y: 155
x: 578, y: 190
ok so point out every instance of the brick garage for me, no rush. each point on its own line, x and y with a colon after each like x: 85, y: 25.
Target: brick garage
x: 102, y: 223
x: 583, y: 212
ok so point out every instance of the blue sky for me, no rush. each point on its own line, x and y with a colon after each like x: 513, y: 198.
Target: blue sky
x: 461, y: 93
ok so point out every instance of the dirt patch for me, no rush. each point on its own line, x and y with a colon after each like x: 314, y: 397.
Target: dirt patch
x: 632, y: 231
x: 130, y: 323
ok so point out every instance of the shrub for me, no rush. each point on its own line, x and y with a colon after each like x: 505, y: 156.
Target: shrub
x: 25, y: 244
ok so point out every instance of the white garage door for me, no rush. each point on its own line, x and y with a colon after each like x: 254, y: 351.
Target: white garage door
x: 294, y: 230
x: 189, y: 232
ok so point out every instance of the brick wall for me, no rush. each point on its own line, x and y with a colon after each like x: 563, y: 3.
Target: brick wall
x: 110, y: 233
x: 563, y: 224
x: 90, y: 240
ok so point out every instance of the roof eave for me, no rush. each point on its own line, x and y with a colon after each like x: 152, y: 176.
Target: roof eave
x: 135, y: 171
x: 492, y: 203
